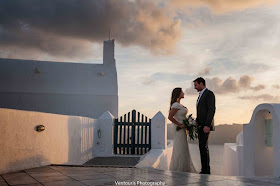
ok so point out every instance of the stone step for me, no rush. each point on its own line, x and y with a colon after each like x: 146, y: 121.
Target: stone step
x: 113, y: 161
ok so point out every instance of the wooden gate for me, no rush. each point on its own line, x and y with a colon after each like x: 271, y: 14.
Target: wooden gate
x: 132, y: 134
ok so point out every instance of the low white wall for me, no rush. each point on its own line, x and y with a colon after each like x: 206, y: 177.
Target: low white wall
x: 158, y: 132
x: 65, y: 140
x: 104, y: 139
x: 230, y: 159
x: 160, y: 154
x: 233, y: 157
x: 157, y: 158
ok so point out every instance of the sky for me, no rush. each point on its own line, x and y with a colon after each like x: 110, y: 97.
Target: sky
x: 159, y: 45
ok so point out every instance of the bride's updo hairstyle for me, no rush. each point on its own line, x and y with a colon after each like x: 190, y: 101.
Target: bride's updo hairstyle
x: 175, y: 95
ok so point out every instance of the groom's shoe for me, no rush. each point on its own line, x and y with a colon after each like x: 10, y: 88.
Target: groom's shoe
x: 206, y: 172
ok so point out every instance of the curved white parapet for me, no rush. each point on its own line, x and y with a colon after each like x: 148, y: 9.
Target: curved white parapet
x: 262, y: 142
x: 233, y: 159
x: 157, y: 158
x: 257, y: 150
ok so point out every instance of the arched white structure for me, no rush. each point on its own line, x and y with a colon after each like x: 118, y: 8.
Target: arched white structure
x: 257, y: 150
x: 260, y: 158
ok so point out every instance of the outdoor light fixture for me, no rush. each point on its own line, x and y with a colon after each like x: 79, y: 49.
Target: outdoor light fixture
x: 40, y: 128
x: 101, y: 73
x: 99, y: 133
x: 37, y: 71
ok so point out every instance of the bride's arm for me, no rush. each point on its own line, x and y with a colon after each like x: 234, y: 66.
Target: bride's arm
x: 172, y: 112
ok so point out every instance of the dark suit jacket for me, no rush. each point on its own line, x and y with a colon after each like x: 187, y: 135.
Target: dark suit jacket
x: 206, y: 110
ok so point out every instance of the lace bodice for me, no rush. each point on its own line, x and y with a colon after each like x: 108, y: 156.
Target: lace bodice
x: 181, y: 113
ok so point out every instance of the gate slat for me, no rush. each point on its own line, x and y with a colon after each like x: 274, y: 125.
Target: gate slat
x: 133, y: 132
x: 128, y: 129
x: 150, y: 136
x: 124, y: 132
x: 142, y: 125
x: 138, y: 119
x: 120, y: 137
x: 145, y: 134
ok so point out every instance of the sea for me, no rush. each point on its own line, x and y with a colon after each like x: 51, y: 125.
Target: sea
x: 216, y: 158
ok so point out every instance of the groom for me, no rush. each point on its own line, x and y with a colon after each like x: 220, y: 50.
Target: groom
x: 205, y: 107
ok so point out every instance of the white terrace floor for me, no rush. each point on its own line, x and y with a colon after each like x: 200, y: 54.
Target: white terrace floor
x: 65, y: 175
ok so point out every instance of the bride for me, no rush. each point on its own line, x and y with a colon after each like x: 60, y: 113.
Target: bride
x: 181, y: 159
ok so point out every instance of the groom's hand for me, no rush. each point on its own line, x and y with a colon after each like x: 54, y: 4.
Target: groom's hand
x: 206, y: 129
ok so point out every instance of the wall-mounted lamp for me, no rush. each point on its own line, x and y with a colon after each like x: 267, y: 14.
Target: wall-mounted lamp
x: 37, y: 71
x: 40, y: 128
x: 101, y: 73
x: 99, y: 133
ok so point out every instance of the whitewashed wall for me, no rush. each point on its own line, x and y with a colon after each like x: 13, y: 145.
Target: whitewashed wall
x: 263, y: 160
x: 66, y: 139
x: 258, y: 159
x: 62, y: 88
x: 158, y: 132
x: 233, y: 157
x: 159, y: 156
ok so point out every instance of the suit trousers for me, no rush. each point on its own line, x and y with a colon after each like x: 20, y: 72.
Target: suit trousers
x: 204, y: 151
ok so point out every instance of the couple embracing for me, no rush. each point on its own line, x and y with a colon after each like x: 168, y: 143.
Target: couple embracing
x: 205, y: 105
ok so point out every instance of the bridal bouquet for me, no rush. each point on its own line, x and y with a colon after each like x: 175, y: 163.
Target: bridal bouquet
x: 191, y: 126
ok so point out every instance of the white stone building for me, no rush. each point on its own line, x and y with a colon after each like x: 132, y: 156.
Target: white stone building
x: 62, y: 88
x: 76, y: 103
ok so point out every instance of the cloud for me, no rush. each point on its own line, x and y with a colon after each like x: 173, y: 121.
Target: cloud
x: 258, y: 87
x: 170, y: 77
x: 206, y: 71
x: 245, y: 81
x: 230, y: 42
x: 222, y: 6
x: 230, y: 85
x: 263, y: 97
x: 37, y: 45
x: 66, y: 28
x: 58, y: 27
x: 149, y: 81
x: 276, y: 86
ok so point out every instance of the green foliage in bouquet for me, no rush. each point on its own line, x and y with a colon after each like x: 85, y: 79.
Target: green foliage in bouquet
x: 191, y: 127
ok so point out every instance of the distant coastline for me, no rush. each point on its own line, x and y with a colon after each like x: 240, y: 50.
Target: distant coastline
x: 224, y: 133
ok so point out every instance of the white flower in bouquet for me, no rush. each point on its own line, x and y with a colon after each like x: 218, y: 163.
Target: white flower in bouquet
x: 191, y: 127
x: 193, y: 122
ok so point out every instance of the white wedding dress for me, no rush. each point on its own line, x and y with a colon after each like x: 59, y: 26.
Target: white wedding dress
x: 181, y: 159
